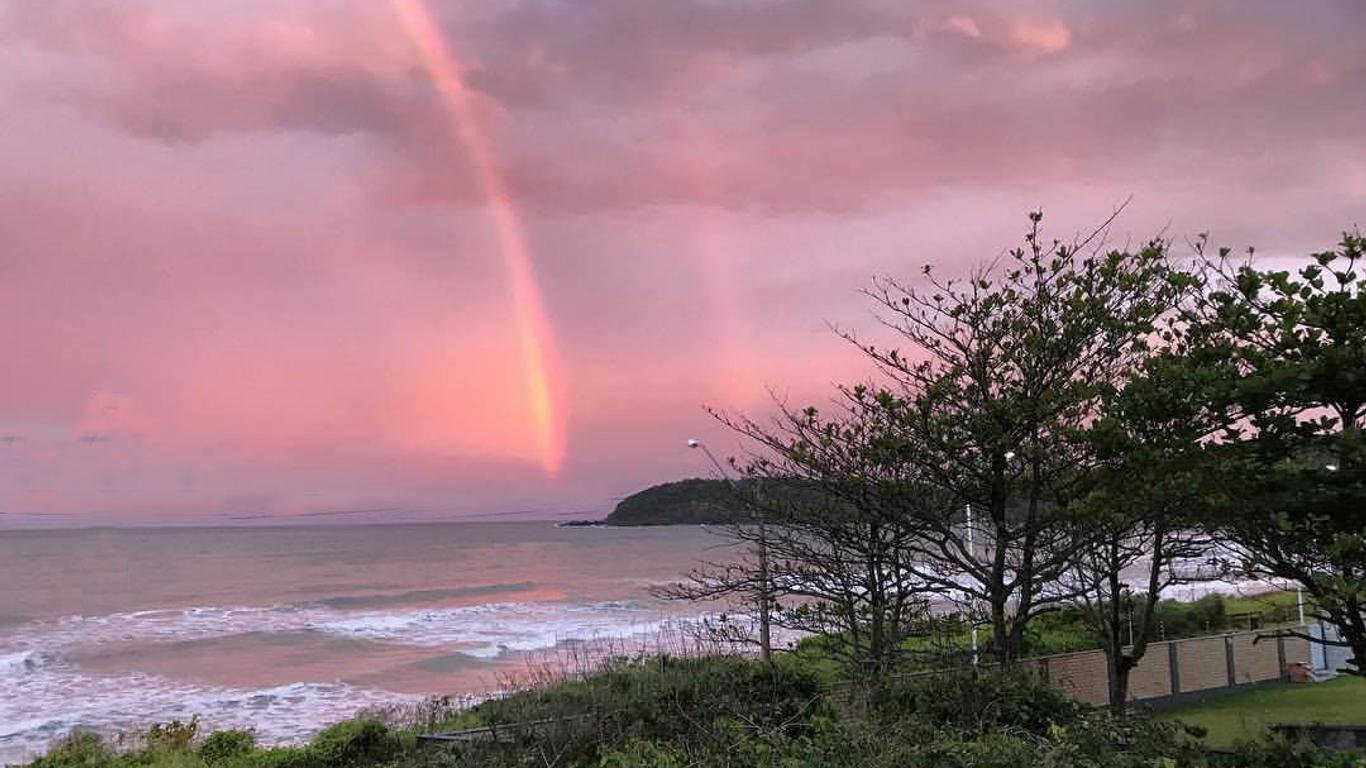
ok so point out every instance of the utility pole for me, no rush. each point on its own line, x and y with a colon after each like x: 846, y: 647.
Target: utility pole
x: 763, y: 598
x: 972, y: 556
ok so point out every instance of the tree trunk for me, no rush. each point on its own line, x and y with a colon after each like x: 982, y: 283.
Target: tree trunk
x: 1000, y: 634
x: 1120, y: 666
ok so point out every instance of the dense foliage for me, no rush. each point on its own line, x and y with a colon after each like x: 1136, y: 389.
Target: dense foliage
x: 726, y: 712
x: 1285, y: 355
x: 361, y: 743
x: 686, y: 502
x: 1068, y: 428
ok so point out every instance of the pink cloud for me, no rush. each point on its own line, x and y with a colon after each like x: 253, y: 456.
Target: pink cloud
x: 963, y: 25
x: 243, y: 248
x: 583, y: 124
x: 1047, y: 36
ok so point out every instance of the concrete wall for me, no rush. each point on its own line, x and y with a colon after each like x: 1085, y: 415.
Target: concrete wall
x: 1296, y: 651
x: 1168, y: 669
x: 1201, y: 664
x: 1250, y: 661
x: 1082, y: 675
x: 1152, y: 677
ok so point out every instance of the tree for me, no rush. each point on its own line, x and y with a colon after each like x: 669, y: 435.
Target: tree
x: 991, y: 403
x: 1155, y: 484
x: 990, y: 409
x: 1288, y: 352
x: 830, y: 497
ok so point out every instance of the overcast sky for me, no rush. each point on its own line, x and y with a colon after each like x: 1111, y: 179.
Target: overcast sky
x: 281, y: 257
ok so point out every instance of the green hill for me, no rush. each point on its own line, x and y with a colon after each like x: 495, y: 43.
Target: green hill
x: 685, y: 502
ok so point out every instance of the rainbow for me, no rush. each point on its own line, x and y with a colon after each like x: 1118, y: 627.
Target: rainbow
x: 533, y: 327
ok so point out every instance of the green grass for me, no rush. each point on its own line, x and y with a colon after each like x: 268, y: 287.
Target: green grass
x: 1067, y: 631
x: 1246, y: 714
x: 1267, y: 601
x: 1273, y: 607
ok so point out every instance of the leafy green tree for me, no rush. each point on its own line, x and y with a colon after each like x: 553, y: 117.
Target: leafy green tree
x: 1286, y: 359
x: 991, y: 396
x: 830, y: 490
x: 1150, y: 496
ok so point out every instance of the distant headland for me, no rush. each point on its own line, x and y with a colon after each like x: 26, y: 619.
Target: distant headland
x: 695, y: 501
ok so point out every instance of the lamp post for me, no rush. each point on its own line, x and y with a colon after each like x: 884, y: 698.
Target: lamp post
x: 1299, y: 586
x: 765, y: 644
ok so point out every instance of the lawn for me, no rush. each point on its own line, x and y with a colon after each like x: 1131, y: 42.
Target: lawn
x: 1246, y: 714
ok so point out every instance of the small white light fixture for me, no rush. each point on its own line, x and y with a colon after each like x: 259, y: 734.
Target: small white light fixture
x: 1331, y: 467
x: 693, y: 442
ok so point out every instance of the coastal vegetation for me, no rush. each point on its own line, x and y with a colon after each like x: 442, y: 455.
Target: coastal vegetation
x: 725, y: 711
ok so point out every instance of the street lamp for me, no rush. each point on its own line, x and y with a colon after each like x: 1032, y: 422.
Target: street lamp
x: 765, y: 644
x: 1299, y: 587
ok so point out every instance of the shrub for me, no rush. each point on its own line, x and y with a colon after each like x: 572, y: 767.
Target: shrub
x: 354, y: 744
x: 277, y: 757
x: 81, y: 749
x: 1088, y: 743
x: 223, y: 746
x: 1178, y: 619
x: 689, y: 704
x: 1278, y: 753
x: 643, y: 754
x: 668, y: 699
x: 980, y: 702
x: 174, y: 737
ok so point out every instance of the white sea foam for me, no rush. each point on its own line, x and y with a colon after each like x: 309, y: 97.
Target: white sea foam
x: 489, y: 630
x: 155, y: 626
x: 47, y: 693
x: 50, y: 701
x: 20, y: 663
x: 478, y: 629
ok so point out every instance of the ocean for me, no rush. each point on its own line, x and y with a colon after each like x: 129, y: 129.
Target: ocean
x: 287, y: 629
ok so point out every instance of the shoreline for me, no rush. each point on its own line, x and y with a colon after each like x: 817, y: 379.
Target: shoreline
x: 280, y: 714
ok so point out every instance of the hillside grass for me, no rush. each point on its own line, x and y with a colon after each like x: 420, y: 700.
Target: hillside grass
x: 949, y: 645
x: 1244, y: 715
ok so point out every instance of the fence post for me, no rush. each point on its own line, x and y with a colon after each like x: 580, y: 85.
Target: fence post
x: 1174, y: 663
x: 1280, y: 657
x: 1228, y: 660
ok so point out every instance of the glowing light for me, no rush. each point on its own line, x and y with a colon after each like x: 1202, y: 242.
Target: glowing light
x: 532, y: 326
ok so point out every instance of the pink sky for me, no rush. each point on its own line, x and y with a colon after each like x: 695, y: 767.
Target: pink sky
x: 280, y: 257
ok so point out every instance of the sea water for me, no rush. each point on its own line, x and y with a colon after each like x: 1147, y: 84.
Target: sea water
x: 287, y: 629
